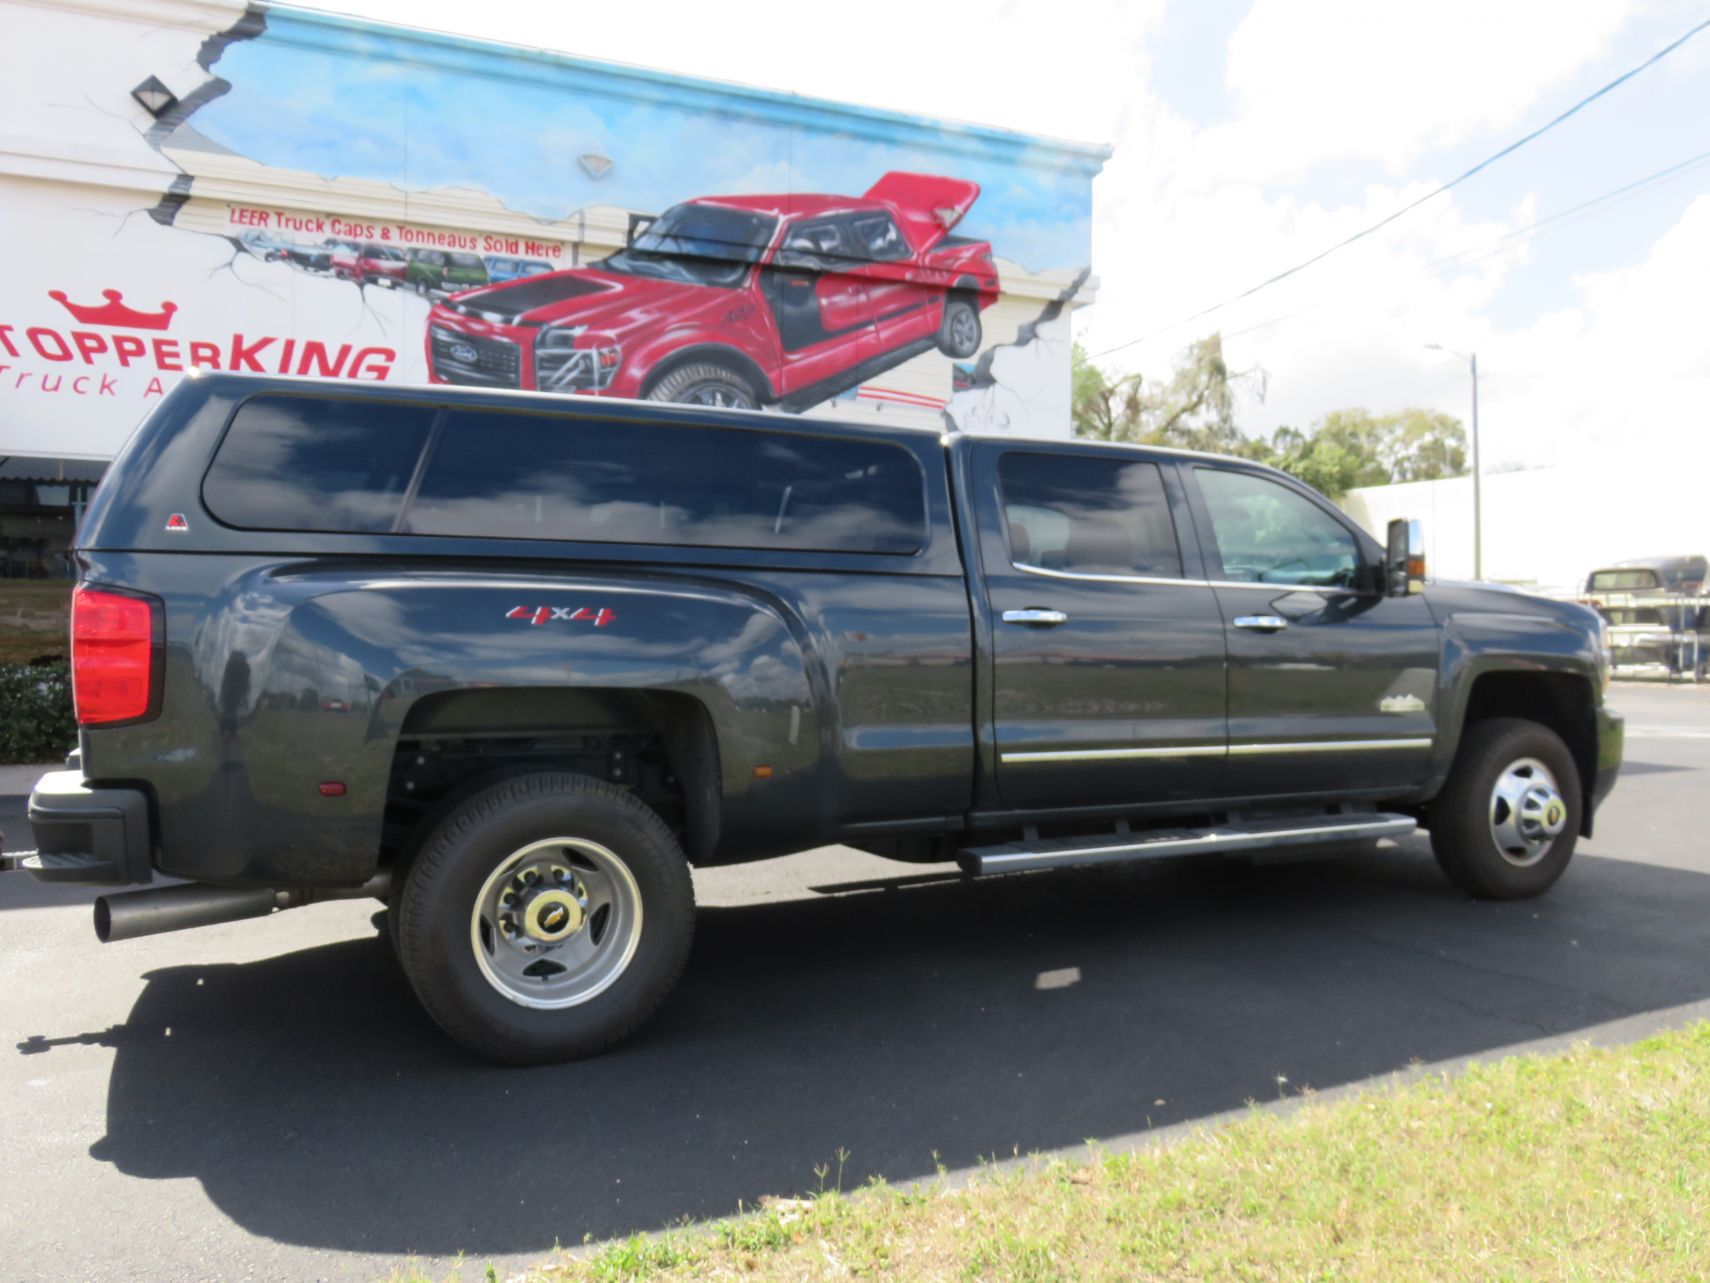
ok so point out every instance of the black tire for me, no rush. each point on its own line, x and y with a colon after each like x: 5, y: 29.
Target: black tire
x: 959, y: 332
x: 705, y: 383
x: 1464, y: 818
x: 437, y: 936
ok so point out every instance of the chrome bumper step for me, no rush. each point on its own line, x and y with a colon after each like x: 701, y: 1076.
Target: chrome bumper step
x: 1221, y: 839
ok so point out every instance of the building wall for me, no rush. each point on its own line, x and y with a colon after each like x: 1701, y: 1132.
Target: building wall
x: 140, y: 246
x: 1550, y: 527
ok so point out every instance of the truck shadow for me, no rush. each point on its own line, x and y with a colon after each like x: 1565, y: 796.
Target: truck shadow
x: 935, y: 1023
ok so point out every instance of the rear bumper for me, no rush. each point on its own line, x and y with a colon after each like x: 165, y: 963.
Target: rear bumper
x: 87, y: 834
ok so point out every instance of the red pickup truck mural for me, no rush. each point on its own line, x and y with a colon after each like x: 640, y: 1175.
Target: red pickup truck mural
x: 738, y: 301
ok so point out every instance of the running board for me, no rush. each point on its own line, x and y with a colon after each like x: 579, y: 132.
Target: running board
x: 1251, y: 835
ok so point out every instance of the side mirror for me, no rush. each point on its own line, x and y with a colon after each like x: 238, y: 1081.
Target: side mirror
x: 638, y: 223
x: 1404, y: 559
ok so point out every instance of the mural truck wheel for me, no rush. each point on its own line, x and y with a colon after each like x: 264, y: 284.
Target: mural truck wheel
x: 702, y: 383
x: 959, y: 331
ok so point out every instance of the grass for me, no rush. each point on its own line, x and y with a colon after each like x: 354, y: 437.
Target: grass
x: 1591, y: 1164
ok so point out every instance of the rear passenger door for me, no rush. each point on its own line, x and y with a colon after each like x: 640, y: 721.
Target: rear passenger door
x: 1106, y: 647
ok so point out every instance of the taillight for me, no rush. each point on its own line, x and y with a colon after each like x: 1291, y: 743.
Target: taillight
x: 112, y: 656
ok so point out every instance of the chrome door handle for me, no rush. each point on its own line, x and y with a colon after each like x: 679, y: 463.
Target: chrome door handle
x: 1035, y: 615
x: 1261, y: 623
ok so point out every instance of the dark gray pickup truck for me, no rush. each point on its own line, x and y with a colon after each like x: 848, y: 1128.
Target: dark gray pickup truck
x: 513, y: 663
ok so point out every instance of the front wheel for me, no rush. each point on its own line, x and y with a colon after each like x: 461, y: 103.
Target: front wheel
x: 704, y: 383
x: 546, y: 918
x: 1505, y: 825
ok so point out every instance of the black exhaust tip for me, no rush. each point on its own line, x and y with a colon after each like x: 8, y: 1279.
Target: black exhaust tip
x: 103, y: 919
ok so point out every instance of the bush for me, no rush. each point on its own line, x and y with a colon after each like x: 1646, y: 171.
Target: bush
x: 36, y: 721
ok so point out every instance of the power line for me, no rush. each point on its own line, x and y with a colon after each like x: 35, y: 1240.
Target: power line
x: 1627, y: 189
x: 1482, y: 165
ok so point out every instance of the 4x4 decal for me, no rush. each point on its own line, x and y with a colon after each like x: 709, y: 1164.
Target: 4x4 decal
x: 599, y: 616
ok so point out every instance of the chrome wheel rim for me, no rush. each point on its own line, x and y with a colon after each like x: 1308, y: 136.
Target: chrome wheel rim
x: 964, y: 331
x: 1527, y: 812
x: 556, y: 923
x: 718, y: 394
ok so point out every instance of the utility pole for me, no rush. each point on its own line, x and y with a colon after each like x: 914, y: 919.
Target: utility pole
x: 1477, y: 472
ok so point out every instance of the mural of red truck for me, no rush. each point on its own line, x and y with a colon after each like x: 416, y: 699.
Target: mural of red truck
x: 737, y: 301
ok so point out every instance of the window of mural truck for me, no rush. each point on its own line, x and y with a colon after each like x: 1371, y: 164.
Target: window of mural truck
x: 318, y: 196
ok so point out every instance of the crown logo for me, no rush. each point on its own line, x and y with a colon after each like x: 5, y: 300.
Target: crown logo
x: 114, y: 312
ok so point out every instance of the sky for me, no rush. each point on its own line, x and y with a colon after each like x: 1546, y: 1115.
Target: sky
x: 1251, y: 134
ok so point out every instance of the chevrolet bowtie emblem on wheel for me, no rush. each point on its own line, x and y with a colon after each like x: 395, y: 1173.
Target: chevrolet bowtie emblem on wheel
x: 537, y: 615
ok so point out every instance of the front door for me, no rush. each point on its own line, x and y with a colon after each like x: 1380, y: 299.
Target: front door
x: 1332, y: 684
x: 1106, y: 645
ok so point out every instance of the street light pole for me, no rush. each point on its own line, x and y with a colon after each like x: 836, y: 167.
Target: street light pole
x: 1477, y: 472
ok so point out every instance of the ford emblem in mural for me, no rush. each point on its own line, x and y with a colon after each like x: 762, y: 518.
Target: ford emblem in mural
x: 738, y: 301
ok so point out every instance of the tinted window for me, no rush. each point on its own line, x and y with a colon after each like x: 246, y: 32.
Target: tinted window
x: 536, y: 476
x: 822, y: 245
x: 878, y: 235
x: 1268, y: 533
x: 1088, y: 515
x: 302, y: 463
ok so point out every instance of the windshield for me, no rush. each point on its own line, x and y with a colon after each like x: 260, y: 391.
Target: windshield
x: 697, y: 245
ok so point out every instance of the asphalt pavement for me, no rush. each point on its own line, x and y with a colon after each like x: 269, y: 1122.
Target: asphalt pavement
x: 264, y: 1100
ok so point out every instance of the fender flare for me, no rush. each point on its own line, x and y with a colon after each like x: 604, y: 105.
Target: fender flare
x: 714, y: 353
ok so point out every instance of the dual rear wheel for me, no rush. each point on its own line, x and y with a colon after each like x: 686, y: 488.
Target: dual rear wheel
x: 545, y: 918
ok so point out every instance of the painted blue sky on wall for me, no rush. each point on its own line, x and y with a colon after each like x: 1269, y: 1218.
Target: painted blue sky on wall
x: 341, y: 98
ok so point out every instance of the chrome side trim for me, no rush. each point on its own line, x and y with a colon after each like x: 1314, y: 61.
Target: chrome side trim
x: 1180, y: 582
x: 1113, y: 754
x: 1282, y: 589
x: 1328, y: 746
x: 1213, y: 750
x: 1078, y: 576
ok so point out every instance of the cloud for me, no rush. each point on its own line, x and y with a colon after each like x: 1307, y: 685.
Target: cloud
x: 1317, y: 81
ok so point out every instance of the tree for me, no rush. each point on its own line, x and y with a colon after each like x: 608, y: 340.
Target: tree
x: 1382, y: 449
x: 1195, y: 410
